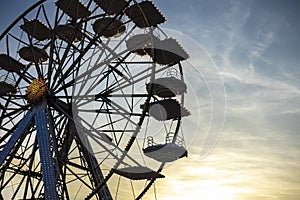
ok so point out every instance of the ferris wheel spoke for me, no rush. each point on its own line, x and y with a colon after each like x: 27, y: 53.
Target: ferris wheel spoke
x: 106, y: 98
x: 96, y: 138
x: 8, y: 132
x: 113, y: 68
x: 112, y: 171
x: 31, y: 170
x: 106, y: 61
x: 19, y: 186
x: 45, y: 15
x: 16, y: 135
x: 15, y: 103
x: 124, y: 112
x: 63, y: 61
x: 139, y: 77
x: 77, y: 176
x: 118, y: 72
x: 72, y: 66
x: 66, y: 58
x: 51, y: 50
x: 37, y: 67
x: 30, y: 38
x: 18, y: 39
x: 83, y: 82
x: 113, y: 112
x: 96, y: 172
x: 84, y: 79
x: 110, y: 121
x: 108, y: 124
x: 100, y: 136
x: 30, y: 43
x: 13, y: 112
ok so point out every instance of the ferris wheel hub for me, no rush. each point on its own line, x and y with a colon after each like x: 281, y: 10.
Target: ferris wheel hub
x: 36, y: 90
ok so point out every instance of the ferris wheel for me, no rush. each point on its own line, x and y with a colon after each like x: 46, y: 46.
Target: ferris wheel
x: 91, y: 101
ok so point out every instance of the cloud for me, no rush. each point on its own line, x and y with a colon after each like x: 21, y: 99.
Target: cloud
x: 246, y: 171
x: 257, y: 153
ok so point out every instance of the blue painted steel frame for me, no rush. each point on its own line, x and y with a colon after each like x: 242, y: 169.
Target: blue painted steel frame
x: 45, y: 155
x: 15, y: 137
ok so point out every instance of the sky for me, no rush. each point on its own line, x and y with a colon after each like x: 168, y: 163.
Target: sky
x: 254, y: 48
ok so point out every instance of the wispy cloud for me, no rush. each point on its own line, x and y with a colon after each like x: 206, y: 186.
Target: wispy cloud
x: 258, y: 154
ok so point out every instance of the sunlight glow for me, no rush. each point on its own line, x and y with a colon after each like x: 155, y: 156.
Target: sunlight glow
x: 204, y: 190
